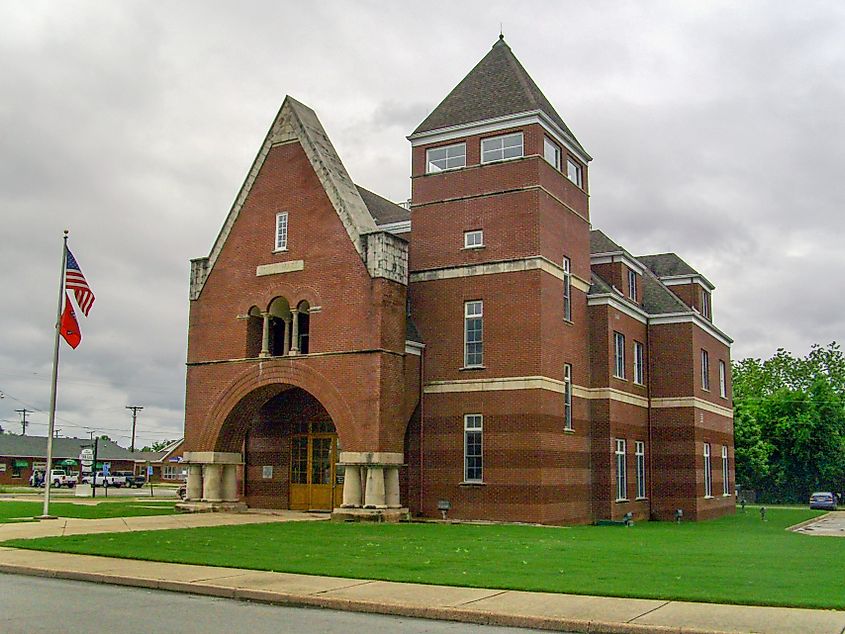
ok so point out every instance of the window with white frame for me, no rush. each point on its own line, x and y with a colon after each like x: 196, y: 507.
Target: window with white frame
x: 473, y: 444
x: 632, y: 284
x: 723, y: 379
x: 726, y: 483
x: 174, y: 472
x: 705, y: 370
x: 705, y: 303
x: 567, y: 290
x: 282, y: 231
x: 619, y: 355
x: 708, y: 472
x: 445, y: 158
x: 573, y: 172
x: 639, y: 364
x: 499, y: 148
x: 567, y: 396
x: 473, y: 333
x: 551, y: 152
x: 621, y: 473
x: 639, y: 451
x: 473, y: 239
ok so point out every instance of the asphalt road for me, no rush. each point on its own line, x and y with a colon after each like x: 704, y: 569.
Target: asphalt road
x: 36, y: 604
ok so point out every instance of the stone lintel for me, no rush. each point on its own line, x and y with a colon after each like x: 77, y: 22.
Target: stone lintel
x: 390, y: 458
x: 212, y: 457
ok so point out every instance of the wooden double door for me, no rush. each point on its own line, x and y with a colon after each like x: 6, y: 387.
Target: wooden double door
x: 316, y: 480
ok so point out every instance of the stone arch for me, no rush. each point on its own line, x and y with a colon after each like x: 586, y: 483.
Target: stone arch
x: 234, y: 410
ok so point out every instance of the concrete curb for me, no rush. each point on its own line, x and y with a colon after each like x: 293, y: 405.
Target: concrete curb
x: 458, y: 614
x: 813, y: 520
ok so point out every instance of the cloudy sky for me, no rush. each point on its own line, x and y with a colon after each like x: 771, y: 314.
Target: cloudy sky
x: 717, y: 131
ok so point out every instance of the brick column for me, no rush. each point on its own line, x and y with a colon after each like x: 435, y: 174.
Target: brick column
x: 265, y: 335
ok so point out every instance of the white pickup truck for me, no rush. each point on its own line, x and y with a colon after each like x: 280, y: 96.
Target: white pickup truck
x: 58, y: 478
x: 104, y: 481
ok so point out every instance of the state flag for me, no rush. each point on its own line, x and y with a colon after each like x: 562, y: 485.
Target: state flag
x: 68, y: 326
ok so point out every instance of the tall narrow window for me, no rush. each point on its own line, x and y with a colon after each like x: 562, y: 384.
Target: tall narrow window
x: 551, y: 152
x: 705, y: 370
x: 639, y: 448
x: 573, y: 172
x: 708, y: 472
x: 473, y: 443
x: 705, y: 303
x: 500, y: 148
x: 473, y: 334
x: 723, y: 379
x: 639, y: 366
x: 726, y: 483
x: 282, y: 231
x: 567, y: 290
x: 446, y: 158
x: 619, y: 354
x: 567, y: 396
x: 632, y: 285
x: 621, y: 474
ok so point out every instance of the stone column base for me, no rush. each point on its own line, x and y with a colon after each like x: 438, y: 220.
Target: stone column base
x: 211, y: 507
x: 371, y: 515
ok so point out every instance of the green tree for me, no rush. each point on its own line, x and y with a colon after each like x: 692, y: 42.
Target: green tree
x: 789, y: 423
x: 159, y: 445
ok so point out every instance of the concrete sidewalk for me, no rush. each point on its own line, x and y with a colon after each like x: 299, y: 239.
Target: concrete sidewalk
x: 573, y: 613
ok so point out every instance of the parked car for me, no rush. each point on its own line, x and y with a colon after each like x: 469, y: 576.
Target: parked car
x: 824, y: 500
x: 131, y: 479
x: 100, y: 480
x: 58, y: 478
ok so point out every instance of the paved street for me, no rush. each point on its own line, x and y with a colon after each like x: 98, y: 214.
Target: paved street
x: 34, y: 604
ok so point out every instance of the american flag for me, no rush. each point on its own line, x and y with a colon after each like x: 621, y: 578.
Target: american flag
x: 75, y: 281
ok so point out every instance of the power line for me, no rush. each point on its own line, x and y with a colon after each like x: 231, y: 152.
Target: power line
x: 23, y: 412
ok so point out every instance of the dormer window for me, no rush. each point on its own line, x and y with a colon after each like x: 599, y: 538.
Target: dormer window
x: 705, y: 304
x: 551, y: 152
x: 500, y: 148
x: 446, y: 158
x: 573, y: 172
x: 632, y: 285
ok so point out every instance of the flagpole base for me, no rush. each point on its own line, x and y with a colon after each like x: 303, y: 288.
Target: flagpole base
x: 45, y: 517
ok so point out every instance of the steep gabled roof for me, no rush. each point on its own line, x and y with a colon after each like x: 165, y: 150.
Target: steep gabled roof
x: 600, y: 243
x: 382, y: 210
x: 498, y: 86
x: 671, y: 265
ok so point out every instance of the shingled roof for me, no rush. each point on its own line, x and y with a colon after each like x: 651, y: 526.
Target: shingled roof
x: 36, y: 447
x: 498, y: 86
x: 669, y: 265
x: 600, y: 243
x: 384, y: 211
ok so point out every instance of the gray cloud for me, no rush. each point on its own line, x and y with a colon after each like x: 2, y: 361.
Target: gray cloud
x: 716, y: 130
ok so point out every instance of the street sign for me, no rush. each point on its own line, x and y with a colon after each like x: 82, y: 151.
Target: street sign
x: 149, y: 470
x: 106, y: 468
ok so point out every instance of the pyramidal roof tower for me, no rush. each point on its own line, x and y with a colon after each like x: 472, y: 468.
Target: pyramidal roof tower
x: 497, y: 88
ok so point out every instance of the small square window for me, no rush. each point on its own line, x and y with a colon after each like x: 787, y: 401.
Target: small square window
x: 500, y: 148
x: 446, y: 158
x: 473, y: 239
x: 551, y: 152
x: 282, y: 231
x: 573, y: 172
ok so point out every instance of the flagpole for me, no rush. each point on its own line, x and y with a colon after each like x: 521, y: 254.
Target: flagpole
x: 51, y: 426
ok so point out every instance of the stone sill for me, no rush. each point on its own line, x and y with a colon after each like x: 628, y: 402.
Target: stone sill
x: 623, y: 501
x: 472, y: 484
x: 472, y: 367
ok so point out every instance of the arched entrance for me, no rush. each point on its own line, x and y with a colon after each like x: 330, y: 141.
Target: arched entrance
x: 291, y: 449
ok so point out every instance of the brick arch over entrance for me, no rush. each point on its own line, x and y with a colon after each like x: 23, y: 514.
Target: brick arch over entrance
x: 235, y: 409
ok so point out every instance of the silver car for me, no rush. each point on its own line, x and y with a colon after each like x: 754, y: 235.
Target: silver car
x: 823, y: 500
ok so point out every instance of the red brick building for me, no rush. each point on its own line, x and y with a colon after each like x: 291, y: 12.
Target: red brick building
x: 484, y: 347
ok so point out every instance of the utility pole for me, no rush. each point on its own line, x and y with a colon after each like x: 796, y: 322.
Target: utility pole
x: 135, y: 409
x: 24, y: 423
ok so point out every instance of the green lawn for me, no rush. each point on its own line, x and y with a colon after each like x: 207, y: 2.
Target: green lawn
x: 19, y: 511
x: 737, y: 559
